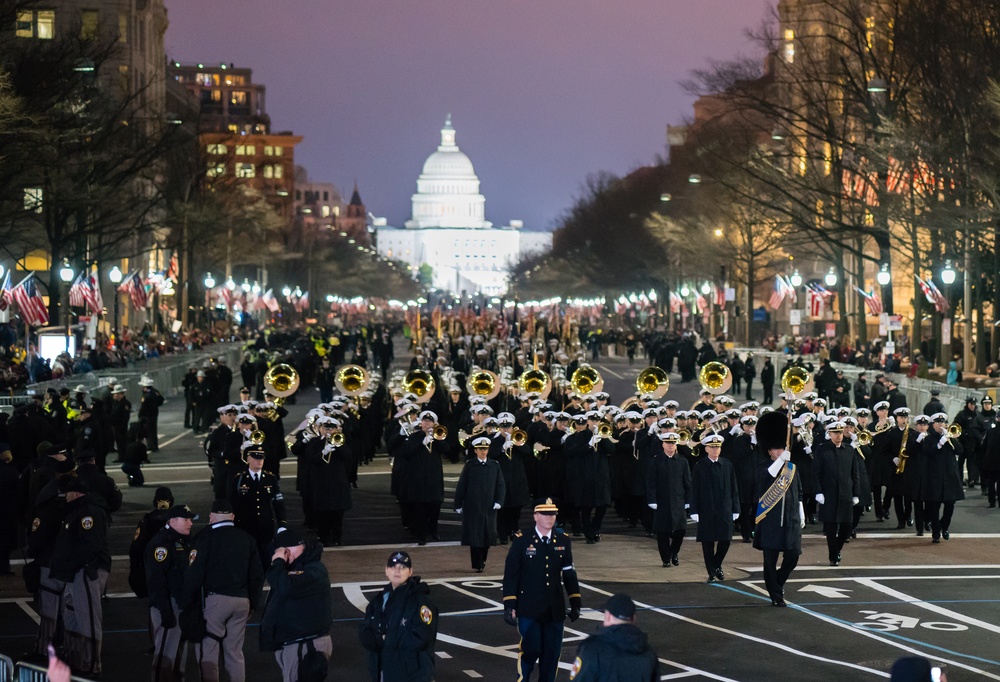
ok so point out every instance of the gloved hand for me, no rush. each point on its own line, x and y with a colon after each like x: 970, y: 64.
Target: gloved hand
x: 428, y: 440
x: 328, y: 448
x: 802, y: 515
x: 308, y: 436
x: 694, y: 517
x: 736, y: 516
x: 895, y: 460
x: 496, y: 505
x: 574, y: 609
x: 820, y: 498
x: 921, y: 436
x: 510, y: 617
x: 854, y: 500
x: 168, y: 619
x: 943, y: 441
x: 458, y: 511
x: 652, y: 505
x: 508, y: 446
x: 594, y: 440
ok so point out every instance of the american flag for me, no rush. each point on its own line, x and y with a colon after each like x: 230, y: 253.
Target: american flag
x: 816, y: 303
x: 926, y: 289
x: 270, y: 301
x: 77, y: 299
x: 940, y: 302
x: 720, y: 296
x: 302, y: 303
x: 173, y: 269
x: 778, y: 295
x: 93, y: 295
x: 225, y: 296
x: 5, y: 292
x: 30, y: 302
x: 135, y: 289
x: 872, y: 301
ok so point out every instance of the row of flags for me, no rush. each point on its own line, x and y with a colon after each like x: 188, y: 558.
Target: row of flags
x: 251, y: 301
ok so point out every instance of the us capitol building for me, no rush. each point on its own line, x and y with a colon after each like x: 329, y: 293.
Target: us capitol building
x: 449, y: 231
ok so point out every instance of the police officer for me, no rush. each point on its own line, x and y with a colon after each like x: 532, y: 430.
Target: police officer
x: 149, y: 412
x: 49, y: 512
x: 618, y: 651
x: 297, y: 617
x: 539, y: 567
x: 82, y: 562
x: 256, y: 500
x: 226, y: 577
x: 400, y: 626
x: 167, y: 558
x: 99, y: 483
x: 151, y: 523
x: 121, y: 412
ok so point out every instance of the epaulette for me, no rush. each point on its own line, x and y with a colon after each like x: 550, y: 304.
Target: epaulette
x: 517, y: 533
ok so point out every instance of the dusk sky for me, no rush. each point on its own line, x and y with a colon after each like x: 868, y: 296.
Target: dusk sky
x: 542, y: 92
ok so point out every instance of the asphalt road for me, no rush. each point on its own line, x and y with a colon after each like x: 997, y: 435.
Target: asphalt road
x: 899, y: 594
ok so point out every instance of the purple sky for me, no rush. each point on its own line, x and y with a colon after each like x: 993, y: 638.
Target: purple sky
x: 542, y: 92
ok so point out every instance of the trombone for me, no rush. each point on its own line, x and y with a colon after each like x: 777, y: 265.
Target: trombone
x: 440, y: 432
x: 519, y: 437
x: 864, y: 437
x: 955, y: 431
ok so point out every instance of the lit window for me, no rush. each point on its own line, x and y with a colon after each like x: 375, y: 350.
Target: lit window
x: 35, y: 24
x: 33, y: 199
x: 324, y: 210
x: 216, y: 169
x: 279, y: 171
x: 245, y: 170
x: 789, y: 45
x: 233, y: 128
x: 238, y: 97
x: 88, y: 24
x: 268, y: 150
x: 268, y: 171
x: 122, y: 27
x: 279, y: 151
x: 246, y: 150
x: 217, y: 149
x: 827, y: 158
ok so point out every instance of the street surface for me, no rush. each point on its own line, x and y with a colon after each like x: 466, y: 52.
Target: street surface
x: 894, y: 595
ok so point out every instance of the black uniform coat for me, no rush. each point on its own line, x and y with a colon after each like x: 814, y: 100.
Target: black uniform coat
x: 424, y: 480
x: 298, y: 606
x: 535, y: 574
x: 399, y: 633
x: 588, y: 474
x: 624, y: 462
x: 942, y: 479
x: 513, y: 467
x: 100, y: 484
x: 835, y: 475
x: 552, y: 466
x: 745, y: 455
x: 258, y: 505
x: 326, y: 484
x: 480, y: 486
x: 82, y: 543
x: 865, y: 458
x: 781, y: 529
x: 168, y: 555
x: 224, y: 560
x: 668, y: 484
x: 714, y: 497
x: 617, y: 653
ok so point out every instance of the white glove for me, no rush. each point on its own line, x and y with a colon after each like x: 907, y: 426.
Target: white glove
x: 328, y: 448
x: 540, y: 448
x: 687, y: 506
x: 820, y: 499
x: 736, y: 430
x: 307, y: 436
x: 652, y: 505
x: 785, y: 456
x: 694, y: 517
x: 428, y: 440
x: 651, y: 430
x: 943, y: 441
x: 808, y: 449
x: 508, y: 446
x: 802, y: 516
x: 753, y: 438
x: 736, y: 516
x: 458, y: 511
x: 921, y: 436
x: 496, y: 505
x: 565, y: 436
x: 594, y: 440
x: 854, y: 500
x: 895, y: 460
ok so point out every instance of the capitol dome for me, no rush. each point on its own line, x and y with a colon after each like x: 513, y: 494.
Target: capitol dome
x: 448, y: 189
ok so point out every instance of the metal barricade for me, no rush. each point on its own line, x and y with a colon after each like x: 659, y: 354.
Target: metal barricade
x: 6, y: 669
x: 28, y: 672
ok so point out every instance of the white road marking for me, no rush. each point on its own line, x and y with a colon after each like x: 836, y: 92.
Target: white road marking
x: 23, y: 603
x: 828, y: 592
x: 604, y: 368
x: 901, y: 567
x: 468, y: 593
x: 472, y: 673
x: 934, y: 608
x: 677, y: 676
x: 443, y: 654
x: 741, y: 635
x: 176, y: 438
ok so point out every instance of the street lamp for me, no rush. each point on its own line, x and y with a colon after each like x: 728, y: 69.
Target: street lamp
x: 115, y: 275
x: 948, y: 278
x: 706, y: 288
x: 209, y: 281
x: 245, y: 286
x: 329, y: 298
x: 948, y: 274
x: 209, y: 285
x: 66, y: 275
x: 796, y: 279
x: 831, y: 277
x: 684, y: 290
x: 230, y: 284
x: 884, y: 276
x: 694, y: 179
x: 287, y: 291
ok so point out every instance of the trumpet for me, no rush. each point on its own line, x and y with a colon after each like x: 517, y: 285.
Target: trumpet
x: 519, y: 437
x: 440, y: 432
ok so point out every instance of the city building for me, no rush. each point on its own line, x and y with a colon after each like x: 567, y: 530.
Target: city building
x: 448, y: 232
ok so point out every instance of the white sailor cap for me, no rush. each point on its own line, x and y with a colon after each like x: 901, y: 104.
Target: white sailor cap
x: 749, y: 420
x: 732, y: 414
x: 649, y: 412
x: 228, y: 409
x: 712, y: 439
x: 835, y: 426
x: 428, y: 416
x: 671, y: 404
x: 803, y: 419
x: 246, y: 419
x: 481, y: 409
x: 850, y: 421
x: 881, y: 405
x: 708, y: 415
x: 939, y: 417
x: 669, y: 437
x: 922, y: 419
x: 593, y: 415
x: 901, y: 412
x: 490, y: 421
x: 481, y: 442
x: 811, y: 395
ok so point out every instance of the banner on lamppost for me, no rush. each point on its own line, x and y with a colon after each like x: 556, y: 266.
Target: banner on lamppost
x: 946, y: 332
x: 831, y: 330
x: 795, y: 317
x: 730, y: 294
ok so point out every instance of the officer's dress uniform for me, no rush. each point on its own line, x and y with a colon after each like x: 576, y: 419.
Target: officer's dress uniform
x: 399, y: 631
x: 81, y: 560
x: 536, y: 571
x: 225, y: 573
x: 259, y: 507
x: 227, y: 458
x: 779, y: 532
x: 167, y: 558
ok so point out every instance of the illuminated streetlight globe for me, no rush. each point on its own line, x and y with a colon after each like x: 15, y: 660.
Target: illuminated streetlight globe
x: 209, y: 281
x: 706, y: 288
x: 115, y: 275
x: 884, y: 277
x: 66, y: 272
x: 948, y: 274
x: 685, y: 291
x: 230, y: 284
x: 831, y: 278
x: 329, y: 298
x: 796, y: 279
x: 245, y: 286
x: 255, y: 288
x: 287, y: 291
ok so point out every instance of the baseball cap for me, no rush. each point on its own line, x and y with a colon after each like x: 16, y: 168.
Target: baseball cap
x: 288, y: 538
x: 222, y: 507
x: 620, y: 606
x: 399, y: 559
x: 181, y: 511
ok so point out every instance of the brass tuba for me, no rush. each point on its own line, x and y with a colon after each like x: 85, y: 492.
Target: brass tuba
x: 281, y: 381
x: 586, y: 380
x: 715, y: 377
x: 352, y: 380
x: 535, y: 381
x: 653, y: 380
x: 484, y: 383
x: 420, y: 383
x: 795, y: 380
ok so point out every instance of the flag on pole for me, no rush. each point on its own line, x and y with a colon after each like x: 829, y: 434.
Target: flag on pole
x: 93, y: 295
x: 816, y: 303
x: 134, y: 288
x: 872, y: 301
x: 270, y: 301
x: 173, y: 269
x: 33, y: 309
x: 926, y: 289
x: 720, y: 296
x: 940, y: 302
x: 778, y: 295
x: 302, y: 302
x: 5, y: 298
x: 77, y: 299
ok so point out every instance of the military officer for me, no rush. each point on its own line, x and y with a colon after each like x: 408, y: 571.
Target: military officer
x: 835, y: 473
x: 539, y: 567
x: 167, y: 559
x: 257, y: 502
x: 714, y: 504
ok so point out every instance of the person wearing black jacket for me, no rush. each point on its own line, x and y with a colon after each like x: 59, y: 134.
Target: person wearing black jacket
x: 225, y: 578
x: 121, y: 412
x: 668, y: 483
x: 8, y: 509
x: 148, y: 526
x: 478, y: 497
x: 749, y: 373
x: 966, y: 419
x: 513, y: 462
x: 149, y: 412
x: 82, y: 562
x: 40, y: 541
x: 326, y: 487
x: 934, y: 405
x: 835, y: 474
x: 862, y: 396
x: 942, y: 482
x: 422, y: 490
x: 88, y: 435
x: 297, y: 617
x: 400, y: 626
x: 257, y: 502
x: 767, y: 381
x: 714, y: 504
x: 618, y: 651
x: 189, y: 380
x: 325, y: 378
x: 167, y: 557
x: 986, y: 421
x: 99, y: 483
x: 201, y: 395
